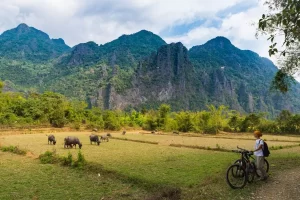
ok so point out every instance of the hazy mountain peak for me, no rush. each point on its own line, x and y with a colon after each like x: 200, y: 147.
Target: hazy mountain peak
x: 22, y: 26
x: 219, y: 41
x: 29, y: 43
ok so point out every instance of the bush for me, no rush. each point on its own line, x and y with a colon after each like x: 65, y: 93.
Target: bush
x: 67, y: 161
x: 80, y: 162
x: 210, y: 130
x: 76, y: 126
x: 111, y: 121
x: 52, y: 158
x: 13, y: 149
x: 49, y: 157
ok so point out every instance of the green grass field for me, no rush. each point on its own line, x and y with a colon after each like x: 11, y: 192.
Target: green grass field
x: 129, y: 170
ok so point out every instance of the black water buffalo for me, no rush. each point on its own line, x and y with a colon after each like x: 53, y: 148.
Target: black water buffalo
x: 71, y: 140
x: 94, y: 138
x: 51, y: 139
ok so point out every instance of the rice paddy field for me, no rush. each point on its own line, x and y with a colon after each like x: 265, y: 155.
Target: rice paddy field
x: 127, y: 167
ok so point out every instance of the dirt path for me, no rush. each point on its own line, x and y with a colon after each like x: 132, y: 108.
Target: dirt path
x: 285, y: 186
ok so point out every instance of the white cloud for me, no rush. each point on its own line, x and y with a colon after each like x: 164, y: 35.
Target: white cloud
x: 79, y: 21
x: 239, y: 28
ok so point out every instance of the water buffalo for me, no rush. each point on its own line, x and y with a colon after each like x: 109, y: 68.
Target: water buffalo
x: 51, y: 139
x: 124, y: 132
x: 104, y: 137
x: 94, y: 138
x: 70, y: 141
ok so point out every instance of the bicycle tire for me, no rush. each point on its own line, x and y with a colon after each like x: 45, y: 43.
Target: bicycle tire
x: 266, y: 165
x: 251, y: 173
x: 239, y: 174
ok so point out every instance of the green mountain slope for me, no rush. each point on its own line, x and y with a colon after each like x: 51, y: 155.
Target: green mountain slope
x: 125, y: 51
x: 240, y: 78
x: 142, y: 70
x: 29, y: 44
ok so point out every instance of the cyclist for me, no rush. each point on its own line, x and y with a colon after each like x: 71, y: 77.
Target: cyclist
x: 258, y: 152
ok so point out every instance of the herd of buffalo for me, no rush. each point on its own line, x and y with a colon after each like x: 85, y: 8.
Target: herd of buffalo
x: 71, y: 141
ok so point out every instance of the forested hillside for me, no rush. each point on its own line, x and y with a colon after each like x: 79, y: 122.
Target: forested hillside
x: 142, y: 71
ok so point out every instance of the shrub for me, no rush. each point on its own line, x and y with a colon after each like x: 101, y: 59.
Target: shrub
x: 49, y: 157
x: 13, y: 149
x: 76, y: 126
x: 67, y: 161
x: 210, y: 130
x: 80, y: 162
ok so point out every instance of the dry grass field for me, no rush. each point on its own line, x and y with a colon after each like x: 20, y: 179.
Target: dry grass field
x: 142, y: 167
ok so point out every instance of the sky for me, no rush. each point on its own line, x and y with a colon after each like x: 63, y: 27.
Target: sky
x: 192, y: 22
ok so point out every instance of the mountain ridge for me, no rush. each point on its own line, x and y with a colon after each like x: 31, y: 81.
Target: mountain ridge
x: 142, y: 70
x: 28, y: 43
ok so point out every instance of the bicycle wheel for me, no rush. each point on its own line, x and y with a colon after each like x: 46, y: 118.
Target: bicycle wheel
x: 236, y: 176
x: 237, y: 161
x: 251, y: 172
x: 266, y: 167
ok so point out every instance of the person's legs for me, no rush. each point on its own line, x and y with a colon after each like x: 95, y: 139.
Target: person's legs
x: 260, y: 161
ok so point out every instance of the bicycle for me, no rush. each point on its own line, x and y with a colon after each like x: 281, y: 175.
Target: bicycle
x: 266, y: 164
x: 242, y: 172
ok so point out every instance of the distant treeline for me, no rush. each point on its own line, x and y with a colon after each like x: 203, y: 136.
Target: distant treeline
x: 52, y: 109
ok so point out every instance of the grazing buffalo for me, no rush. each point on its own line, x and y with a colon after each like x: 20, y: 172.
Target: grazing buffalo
x: 70, y: 141
x: 124, y: 132
x: 104, y: 137
x: 51, y: 139
x: 94, y: 138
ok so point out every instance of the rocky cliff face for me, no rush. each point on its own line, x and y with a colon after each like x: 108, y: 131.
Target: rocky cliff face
x: 218, y: 73
x: 166, y: 76
x: 162, y: 77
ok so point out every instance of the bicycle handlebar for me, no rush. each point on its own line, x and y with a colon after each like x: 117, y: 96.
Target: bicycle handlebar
x: 241, y: 150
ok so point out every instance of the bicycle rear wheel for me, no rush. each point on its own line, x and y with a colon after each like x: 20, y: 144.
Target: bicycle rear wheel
x: 266, y: 168
x: 236, y: 176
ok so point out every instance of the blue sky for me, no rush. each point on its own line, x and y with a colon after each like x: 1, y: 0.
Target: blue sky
x: 192, y: 22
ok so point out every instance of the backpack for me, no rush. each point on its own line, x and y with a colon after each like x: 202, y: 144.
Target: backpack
x: 265, y: 149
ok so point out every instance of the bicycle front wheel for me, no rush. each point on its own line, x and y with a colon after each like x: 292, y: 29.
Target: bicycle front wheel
x: 236, y: 176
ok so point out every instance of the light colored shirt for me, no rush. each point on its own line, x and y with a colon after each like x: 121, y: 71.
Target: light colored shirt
x: 260, y: 152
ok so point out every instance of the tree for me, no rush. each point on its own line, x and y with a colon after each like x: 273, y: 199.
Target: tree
x: 184, y: 121
x: 283, y: 19
x: 250, y: 122
x: 283, y: 119
x: 163, y: 110
x: 1, y: 86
